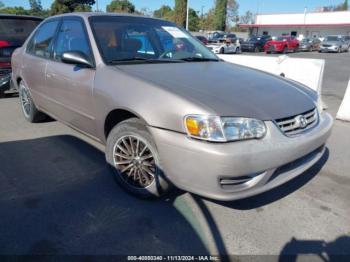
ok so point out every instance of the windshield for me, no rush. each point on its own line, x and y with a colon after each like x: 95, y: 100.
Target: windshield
x: 253, y: 38
x: 332, y: 38
x: 16, y: 30
x: 281, y: 38
x: 126, y: 38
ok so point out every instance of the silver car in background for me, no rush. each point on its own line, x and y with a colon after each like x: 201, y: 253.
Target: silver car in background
x: 168, y: 110
x: 335, y: 44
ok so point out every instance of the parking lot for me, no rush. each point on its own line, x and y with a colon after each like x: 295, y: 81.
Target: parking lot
x: 57, y: 196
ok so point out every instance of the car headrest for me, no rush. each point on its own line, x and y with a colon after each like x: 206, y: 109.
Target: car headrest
x: 132, y: 45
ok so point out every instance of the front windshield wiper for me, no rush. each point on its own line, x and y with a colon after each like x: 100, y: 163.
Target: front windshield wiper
x: 199, y: 59
x: 143, y: 60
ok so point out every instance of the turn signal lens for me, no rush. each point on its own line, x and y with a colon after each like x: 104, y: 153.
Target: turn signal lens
x: 192, y: 126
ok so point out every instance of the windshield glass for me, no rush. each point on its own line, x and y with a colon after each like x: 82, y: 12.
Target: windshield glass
x: 126, y: 38
x: 332, y: 38
x: 16, y: 30
x: 253, y: 38
x: 281, y: 38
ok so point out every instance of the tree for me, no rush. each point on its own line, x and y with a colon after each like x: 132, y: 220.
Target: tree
x: 35, y: 5
x: 2, y: 5
x: 232, y: 13
x: 247, y: 18
x: 121, y: 6
x: 180, y: 12
x: 220, y: 15
x: 194, y: 21
x: 207, y: 21
x: 164, y: 12
x: 16, y: 10
x: 68, y: 6
x: 346, y: 5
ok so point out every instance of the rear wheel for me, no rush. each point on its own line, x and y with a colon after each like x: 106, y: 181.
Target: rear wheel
x: 134, y: 160
x: 30, y: 112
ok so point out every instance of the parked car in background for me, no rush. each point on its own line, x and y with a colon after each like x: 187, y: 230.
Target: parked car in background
x: 225, y: 47
x: 203, y: 39
x: 310, y: 45
x: 215, y: 36
x: 334, y: 44
x: 346, y: 39
x: 14, y: 30
x: 229, y: 37
x: 282, y: 44
x: 255, y: 43
x: 168, y: 115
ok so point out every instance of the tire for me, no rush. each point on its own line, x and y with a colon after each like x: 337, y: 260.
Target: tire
x: 238, y: 50
x: 137, y: 178
x: 285, y: 50
x: 30, y: 111
x: 222, y: 50
x: 2, y: 94
x: 268, y: 52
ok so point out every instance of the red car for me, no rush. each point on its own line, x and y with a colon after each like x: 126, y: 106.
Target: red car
x: 282, y: 44
x: 203, y: 39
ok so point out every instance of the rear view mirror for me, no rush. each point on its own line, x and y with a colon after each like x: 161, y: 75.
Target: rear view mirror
x: 76, y: 58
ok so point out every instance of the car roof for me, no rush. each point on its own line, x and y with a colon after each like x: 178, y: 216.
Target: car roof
x: 21, y: 17
x: 96, y: 14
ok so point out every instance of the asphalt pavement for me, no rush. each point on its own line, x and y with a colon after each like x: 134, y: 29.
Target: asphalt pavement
x: 57, y: 197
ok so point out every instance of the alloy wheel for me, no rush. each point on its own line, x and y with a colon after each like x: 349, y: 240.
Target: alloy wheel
x: 25, y: 100
x: 134, y: 161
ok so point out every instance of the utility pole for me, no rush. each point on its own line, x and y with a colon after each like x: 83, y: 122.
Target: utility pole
x: 187, y: 14
x: 97, y: 5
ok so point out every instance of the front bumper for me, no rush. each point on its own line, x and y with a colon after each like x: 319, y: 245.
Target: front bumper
x: 5, y: 82
x: 230, y: 171
x: 329, y: 49
x: 248, y: 48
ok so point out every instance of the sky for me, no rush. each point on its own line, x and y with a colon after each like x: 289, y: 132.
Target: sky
x: 262, y: 6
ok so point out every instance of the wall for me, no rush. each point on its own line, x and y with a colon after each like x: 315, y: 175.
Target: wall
x: 301, y: 18
x: 305, y: 32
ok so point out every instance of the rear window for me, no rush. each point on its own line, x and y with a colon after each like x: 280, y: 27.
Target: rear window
x: 16, y: 30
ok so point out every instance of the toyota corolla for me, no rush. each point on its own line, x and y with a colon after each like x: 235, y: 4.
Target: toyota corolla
x: 168, y: 110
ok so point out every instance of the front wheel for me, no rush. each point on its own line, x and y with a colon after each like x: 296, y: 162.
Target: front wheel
x: 134, y: 160
x: 30, y: 112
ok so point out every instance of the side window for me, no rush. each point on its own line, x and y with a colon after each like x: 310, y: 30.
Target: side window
x: 40, y: 44
x: 71, y: 37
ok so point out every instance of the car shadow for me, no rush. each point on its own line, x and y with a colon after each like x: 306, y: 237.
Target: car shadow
x: 278, y: 192
x: 297, y: 250
x: 57, y: 197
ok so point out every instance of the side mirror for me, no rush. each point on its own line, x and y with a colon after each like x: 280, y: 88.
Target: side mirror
x: 76, y: 58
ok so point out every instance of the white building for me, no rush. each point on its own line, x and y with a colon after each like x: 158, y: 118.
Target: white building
x: 308, y: 24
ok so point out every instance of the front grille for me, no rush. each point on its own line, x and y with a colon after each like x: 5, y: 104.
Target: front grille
x: 325, y: 45
x: 292, y: 126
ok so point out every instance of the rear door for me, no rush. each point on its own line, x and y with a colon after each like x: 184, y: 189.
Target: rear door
x: 14, y: 30
x: 70, y: 86
x: 35, y: 58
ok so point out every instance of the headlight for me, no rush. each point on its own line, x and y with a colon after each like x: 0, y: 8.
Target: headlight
x: 224, y: 129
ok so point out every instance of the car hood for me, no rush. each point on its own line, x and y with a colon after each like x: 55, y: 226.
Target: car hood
x: 228, y: 89
x: 274, y: 42
x: 330, y: 43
